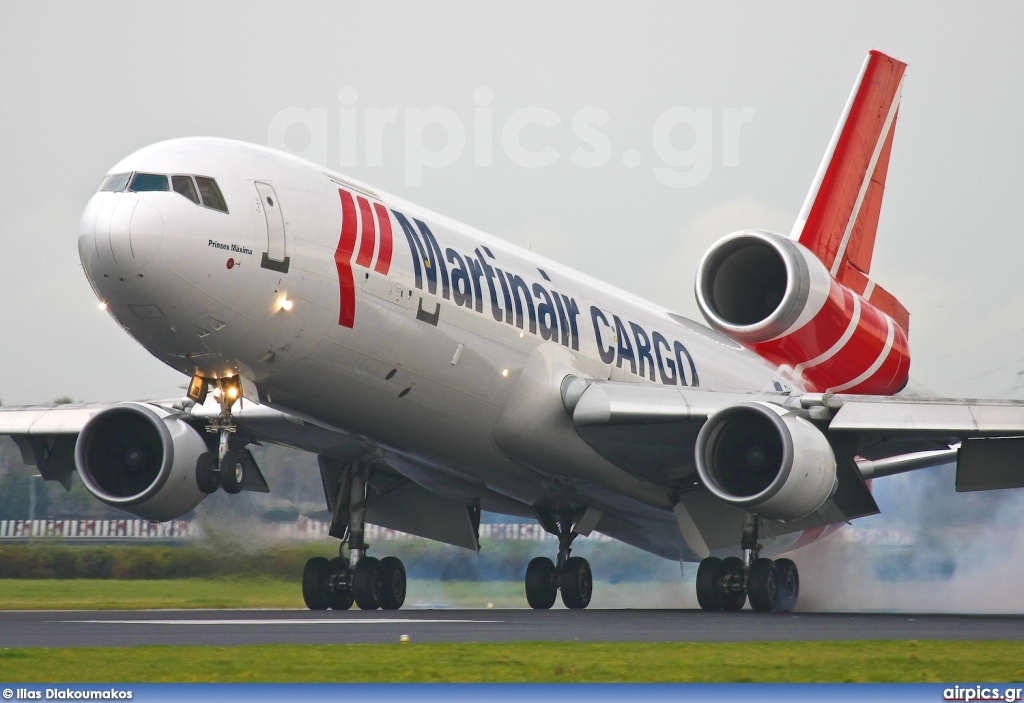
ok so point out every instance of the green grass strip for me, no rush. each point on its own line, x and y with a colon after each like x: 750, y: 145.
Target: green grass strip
x: 111, y: 594
x: 871, y: 661
x: 95, y: 594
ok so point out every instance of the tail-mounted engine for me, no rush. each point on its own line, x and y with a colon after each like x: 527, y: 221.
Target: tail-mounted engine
x: 773, y: 296
x: 767, y: 460
x: 139, y: 459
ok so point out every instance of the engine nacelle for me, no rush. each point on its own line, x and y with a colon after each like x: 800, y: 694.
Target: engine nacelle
x: 137, y: 458
x: 775, y: 297
x: 766, y: 459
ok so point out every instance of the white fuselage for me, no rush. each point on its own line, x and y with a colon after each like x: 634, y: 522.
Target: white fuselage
x: 432, y: 352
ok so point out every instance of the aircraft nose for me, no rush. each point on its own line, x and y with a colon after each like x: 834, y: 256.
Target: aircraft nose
x: 127, y: 231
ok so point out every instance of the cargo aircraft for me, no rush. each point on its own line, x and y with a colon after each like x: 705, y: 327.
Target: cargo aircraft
x: 438, y: 372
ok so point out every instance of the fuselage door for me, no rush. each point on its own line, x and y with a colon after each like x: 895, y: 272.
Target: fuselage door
x: 275, y: 257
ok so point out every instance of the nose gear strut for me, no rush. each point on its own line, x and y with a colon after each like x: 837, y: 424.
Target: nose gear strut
x: 226, y: 468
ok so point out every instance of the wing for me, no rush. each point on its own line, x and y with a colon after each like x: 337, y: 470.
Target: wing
x: 406, y: 493
x: 683, y: 436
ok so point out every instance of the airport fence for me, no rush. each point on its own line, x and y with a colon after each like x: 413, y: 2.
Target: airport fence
x: 302, y: 529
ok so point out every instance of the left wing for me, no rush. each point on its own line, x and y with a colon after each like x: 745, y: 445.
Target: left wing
x: 733, y: 451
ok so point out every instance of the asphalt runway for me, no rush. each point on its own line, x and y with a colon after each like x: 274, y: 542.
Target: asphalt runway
x: 234, y: 627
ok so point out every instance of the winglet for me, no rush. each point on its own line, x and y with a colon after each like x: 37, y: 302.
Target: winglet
x: 839, y: 218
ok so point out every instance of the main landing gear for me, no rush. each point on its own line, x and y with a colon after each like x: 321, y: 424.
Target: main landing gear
x: 364, y: 580
x: 726, y: 584
x: 570, y: 575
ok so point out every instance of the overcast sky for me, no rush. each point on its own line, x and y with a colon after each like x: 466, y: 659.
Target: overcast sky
x: 83, y: 85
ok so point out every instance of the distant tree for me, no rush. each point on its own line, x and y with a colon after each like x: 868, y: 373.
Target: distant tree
x: 64, y: 400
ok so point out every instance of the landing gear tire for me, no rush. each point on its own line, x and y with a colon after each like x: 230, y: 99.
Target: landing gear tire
x: 763, y: 586
x: 709, y: 575
x: 392, y: 577
x: 734, y: 597
x: 207, y: 477
x: 338, y: 599
x: 366, y: 584
x: 577, y: 583
x: 788, y: 580
x: 315, y: 576
x: 232, y: 470
x: 541, y: 583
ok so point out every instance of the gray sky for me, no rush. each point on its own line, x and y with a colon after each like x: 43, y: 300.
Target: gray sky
x: 85, y: 84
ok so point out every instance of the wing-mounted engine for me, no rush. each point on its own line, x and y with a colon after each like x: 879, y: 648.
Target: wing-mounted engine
x: 767, y: 460
x: 775, y: 297
x: 141, y: 459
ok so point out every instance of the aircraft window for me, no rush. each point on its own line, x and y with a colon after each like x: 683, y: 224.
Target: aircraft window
x: 115, y: 182
x: 185, y: 186
x: 148, y: 181
x: 211, y: 193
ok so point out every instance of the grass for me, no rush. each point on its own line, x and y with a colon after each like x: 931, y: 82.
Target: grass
x: 874, y: 661
x: 89, y: 594
x: 109, y: 594
x: 871, y: 661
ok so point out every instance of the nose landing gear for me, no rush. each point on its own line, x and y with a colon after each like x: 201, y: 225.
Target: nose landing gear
x: 226, y: 468
x: 726, y: 584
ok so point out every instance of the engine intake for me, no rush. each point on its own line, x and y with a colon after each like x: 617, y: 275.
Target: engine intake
x: 766, y: 459
x: 775, y: 297
x: 138, y: 458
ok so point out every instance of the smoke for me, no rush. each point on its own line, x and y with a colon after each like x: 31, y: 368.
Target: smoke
x: 930, y: 550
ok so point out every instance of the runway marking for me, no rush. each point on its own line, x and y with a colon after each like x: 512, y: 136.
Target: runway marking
x: 294, y: 621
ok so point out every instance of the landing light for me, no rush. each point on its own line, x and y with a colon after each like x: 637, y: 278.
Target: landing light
x: 504, y: 373
x: 232, y: 392
x: 102, y: 305
x: 287, y: 304
x: 216, y: 392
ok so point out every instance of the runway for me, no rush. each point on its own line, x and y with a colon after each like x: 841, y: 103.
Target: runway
x: 236, y: 627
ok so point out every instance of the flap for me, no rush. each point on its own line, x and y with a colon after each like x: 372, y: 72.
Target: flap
x: 928, y: 416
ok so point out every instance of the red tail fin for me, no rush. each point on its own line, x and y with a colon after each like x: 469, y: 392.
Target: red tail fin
x: 840, y: 215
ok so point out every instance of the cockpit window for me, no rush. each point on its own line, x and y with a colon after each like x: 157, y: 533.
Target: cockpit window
x: 115, y: 182
x: 211, y: 193
x: 185, y: 186
x: 148, y: 181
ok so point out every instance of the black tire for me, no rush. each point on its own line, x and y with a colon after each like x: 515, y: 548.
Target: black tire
x: 232, y: 470
x: 733, y: 600
x: 207, y: 477
x: 763, y: 586
x: 339, y: 600
x: 392, y: 577
x: 709, y: 574
x: 577, y: 583
x: 314, y: 583
x: 788, y: 579
x: 541, y: 583
x: 367, y: 584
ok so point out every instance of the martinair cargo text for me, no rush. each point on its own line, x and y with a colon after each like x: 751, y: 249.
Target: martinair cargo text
x: 438, y: 372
